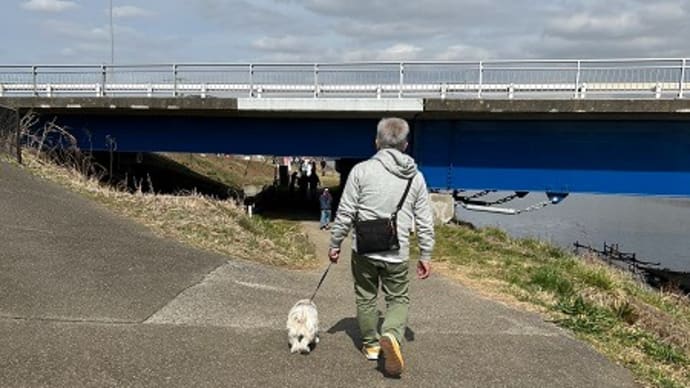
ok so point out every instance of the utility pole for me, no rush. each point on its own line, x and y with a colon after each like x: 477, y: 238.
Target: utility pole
x: 112, y: 36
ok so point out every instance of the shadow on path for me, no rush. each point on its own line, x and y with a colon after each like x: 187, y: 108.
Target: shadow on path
x: 350, y: 327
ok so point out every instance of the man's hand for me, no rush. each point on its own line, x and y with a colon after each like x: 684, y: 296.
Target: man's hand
x: 423, y: 269
x: 334, y: 255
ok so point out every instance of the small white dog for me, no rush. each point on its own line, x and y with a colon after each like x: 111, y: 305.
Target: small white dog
x: 303, y: 326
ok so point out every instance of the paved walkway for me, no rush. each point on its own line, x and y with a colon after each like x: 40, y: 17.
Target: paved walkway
x: 90, y: 299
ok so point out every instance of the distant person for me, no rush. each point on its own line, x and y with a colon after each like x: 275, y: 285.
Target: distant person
x: 314, y: 183
x: 308, y: 167
x: 313, y: 166
x: 293, y: 181
x: 326, y: 204
x: 377, y: 189
x: 303, y: 183
x: 323, y: 167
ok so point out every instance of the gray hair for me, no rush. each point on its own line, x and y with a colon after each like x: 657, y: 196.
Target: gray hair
x: 392, y: 132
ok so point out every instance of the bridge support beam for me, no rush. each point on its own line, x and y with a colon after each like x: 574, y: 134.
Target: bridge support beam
x: 344, y: 166
x: 609, y: 147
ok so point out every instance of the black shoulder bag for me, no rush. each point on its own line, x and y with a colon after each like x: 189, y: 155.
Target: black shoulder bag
x: 380, y: 235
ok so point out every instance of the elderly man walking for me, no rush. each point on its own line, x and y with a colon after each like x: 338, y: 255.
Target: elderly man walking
x: 384, y: 190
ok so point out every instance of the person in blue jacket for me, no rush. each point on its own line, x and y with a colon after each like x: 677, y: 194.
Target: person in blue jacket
x: 326, y: 203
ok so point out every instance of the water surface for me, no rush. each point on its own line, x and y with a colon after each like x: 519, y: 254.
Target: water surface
x: 657, y: 229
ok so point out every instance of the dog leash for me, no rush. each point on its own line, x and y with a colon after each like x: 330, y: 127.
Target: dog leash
x: 321, y: 281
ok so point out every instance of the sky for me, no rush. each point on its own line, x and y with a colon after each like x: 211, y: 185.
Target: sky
x: 166, y: 31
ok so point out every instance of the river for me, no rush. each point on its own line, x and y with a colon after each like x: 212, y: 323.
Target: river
x: 656, y: 229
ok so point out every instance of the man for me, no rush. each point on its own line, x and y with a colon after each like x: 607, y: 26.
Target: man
x: 326, y: 203
x: 314, y: 181
x: 373, y: 189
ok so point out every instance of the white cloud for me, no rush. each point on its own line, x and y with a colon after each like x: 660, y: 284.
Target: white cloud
x: 384, y: 30
x: 584, y: 24
x: 83, y: 43
x: 286, y: 43
x: 68, y: 52
x: 463, y: 52
x: 129, y: 11
x: 619, y: 29
x: 48, y: 5
x: 76, y: 32
x: 240, y: 16
x: 396, y: 52
x: 664, y: 12
x: 400, y: 51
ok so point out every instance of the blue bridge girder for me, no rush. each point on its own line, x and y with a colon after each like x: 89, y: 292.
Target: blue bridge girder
x: 635, y: 147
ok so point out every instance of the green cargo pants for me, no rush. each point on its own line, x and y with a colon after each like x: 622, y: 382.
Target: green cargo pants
x: 368, y: 273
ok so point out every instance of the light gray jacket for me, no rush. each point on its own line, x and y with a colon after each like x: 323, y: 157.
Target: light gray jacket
x: 374, y: 189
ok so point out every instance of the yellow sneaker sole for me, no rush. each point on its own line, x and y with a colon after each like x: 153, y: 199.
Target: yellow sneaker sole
x: 392, y: 356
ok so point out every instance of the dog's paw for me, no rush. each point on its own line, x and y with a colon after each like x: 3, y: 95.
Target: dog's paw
x: 316, y: 340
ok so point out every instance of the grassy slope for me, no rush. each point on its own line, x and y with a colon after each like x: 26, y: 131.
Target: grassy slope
x: 231, y: 171
x: 645, y: 330
x: 206, y: 223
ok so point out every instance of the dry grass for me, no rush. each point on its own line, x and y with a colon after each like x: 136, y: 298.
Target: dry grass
x: 210, y: 224
x: 232, y: 171
x: 331, y: 179
x: 207, y: 223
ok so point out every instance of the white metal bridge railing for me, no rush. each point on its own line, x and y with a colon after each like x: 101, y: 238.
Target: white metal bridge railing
x: 523, y: 79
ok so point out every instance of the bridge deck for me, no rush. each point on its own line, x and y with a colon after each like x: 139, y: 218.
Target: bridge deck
x: 354, y: 107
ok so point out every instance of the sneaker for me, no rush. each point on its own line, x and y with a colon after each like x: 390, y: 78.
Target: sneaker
x: 371, y: 352
x: 392, y: 356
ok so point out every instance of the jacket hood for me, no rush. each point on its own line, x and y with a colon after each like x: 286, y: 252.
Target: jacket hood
x: 397, y: 163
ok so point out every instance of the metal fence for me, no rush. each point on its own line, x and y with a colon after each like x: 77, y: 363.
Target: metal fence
x: 614, y: 78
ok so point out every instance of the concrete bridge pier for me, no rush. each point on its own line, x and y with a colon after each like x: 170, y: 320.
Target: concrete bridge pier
x: 343, y: 167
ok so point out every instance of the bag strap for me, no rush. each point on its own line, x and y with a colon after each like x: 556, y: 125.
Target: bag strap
x: 402, y: 200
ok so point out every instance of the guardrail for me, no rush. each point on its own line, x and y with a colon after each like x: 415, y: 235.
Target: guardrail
x: 525, y: 79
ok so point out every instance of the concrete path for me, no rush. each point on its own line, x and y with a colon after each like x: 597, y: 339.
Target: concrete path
x: 90, y: 299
